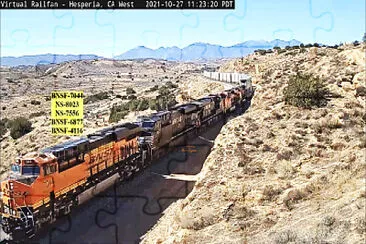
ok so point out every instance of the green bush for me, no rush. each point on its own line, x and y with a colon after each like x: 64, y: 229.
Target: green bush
x: 143, y: 105
x: 3, y: 125
x: 130, y: 91
x: 96, y: 97
x: 305, y: 91
x: 133, y: 104
x: 117, y: 115
x: 19, y: 127
x: 153, y: 104
x: 164, y: 91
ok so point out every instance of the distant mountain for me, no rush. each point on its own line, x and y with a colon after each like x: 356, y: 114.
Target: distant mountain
x: 203, y: 51
x: 195, y: 51
x: 44, y: 59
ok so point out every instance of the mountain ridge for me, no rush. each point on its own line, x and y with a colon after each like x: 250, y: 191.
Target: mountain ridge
x: 194, y: 51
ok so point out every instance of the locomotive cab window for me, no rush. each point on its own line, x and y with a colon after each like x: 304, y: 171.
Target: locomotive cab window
x: 30, y: 170
x: 49, y: 169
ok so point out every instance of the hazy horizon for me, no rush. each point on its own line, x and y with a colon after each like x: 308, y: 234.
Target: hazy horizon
x: 111, y: 33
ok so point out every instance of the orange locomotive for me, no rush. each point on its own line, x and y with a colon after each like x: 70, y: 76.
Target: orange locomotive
x: 43, y: 186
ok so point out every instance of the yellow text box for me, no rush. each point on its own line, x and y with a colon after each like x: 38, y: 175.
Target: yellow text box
x: 67, y: 113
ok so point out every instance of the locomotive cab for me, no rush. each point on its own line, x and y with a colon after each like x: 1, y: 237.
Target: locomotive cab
x: 27, y: 169
x: 247, y: 85
x: 26, y: 185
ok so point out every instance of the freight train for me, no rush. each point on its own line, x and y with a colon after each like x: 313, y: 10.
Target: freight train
x: 45, y: 185
x: 236, y: 78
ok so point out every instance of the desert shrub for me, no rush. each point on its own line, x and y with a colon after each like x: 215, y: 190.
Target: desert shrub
x: 362, y: 143
x: 305, y: 91
x: 281, y: 51
x: 3, y: 124
x: 284, y: 155
x: 292, y: 197
x: 361, y: 225
x: 261, y: 51
x: 316, y: 45
x: 170, y: 85
x: 308, y: 45
x: 143, y: 105
x: 133, y: 104
x: 154, y: 88
x: 19, y: 127
x: 35, y: 102
x: 333, y: 124
x: 10, y: 80
x: 276, y: 48
x: 165, y: 102
x: 153, y: 104
x: 164, y: 91
x: 337, y: 146
x: 116, y: 115
x: 130, y: 91
x: 356, y: 43
x: 118, y: 112
x: 270, y: 193
x: 285, y: 237
x: 37, y: 114
x: 131, y: 97
x: 361, y: 91
x: 96, y: 97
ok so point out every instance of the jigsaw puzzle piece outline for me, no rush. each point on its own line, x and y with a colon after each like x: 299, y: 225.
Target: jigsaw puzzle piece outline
x: 288, y: 30
x: 146, y: 39
x: 146, y: 200
x: 110, y: 25
x: 239, y: 17
x: 189, y: 26
x: 321, y: 15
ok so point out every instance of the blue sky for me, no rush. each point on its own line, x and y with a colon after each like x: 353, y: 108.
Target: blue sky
x: 109, y: 33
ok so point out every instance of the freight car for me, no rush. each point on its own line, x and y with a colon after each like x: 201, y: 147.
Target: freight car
x: 235, y: 78
x: 45, y: 185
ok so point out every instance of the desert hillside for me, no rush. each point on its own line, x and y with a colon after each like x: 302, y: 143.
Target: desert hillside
x: 124, y: 85
x: 280, y: 173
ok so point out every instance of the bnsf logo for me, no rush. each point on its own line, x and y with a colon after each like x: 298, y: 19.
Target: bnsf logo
x: 101, y: 157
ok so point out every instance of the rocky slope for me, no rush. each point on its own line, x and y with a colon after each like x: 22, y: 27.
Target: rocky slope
x: 278, y: 173
x: 25, y: 92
